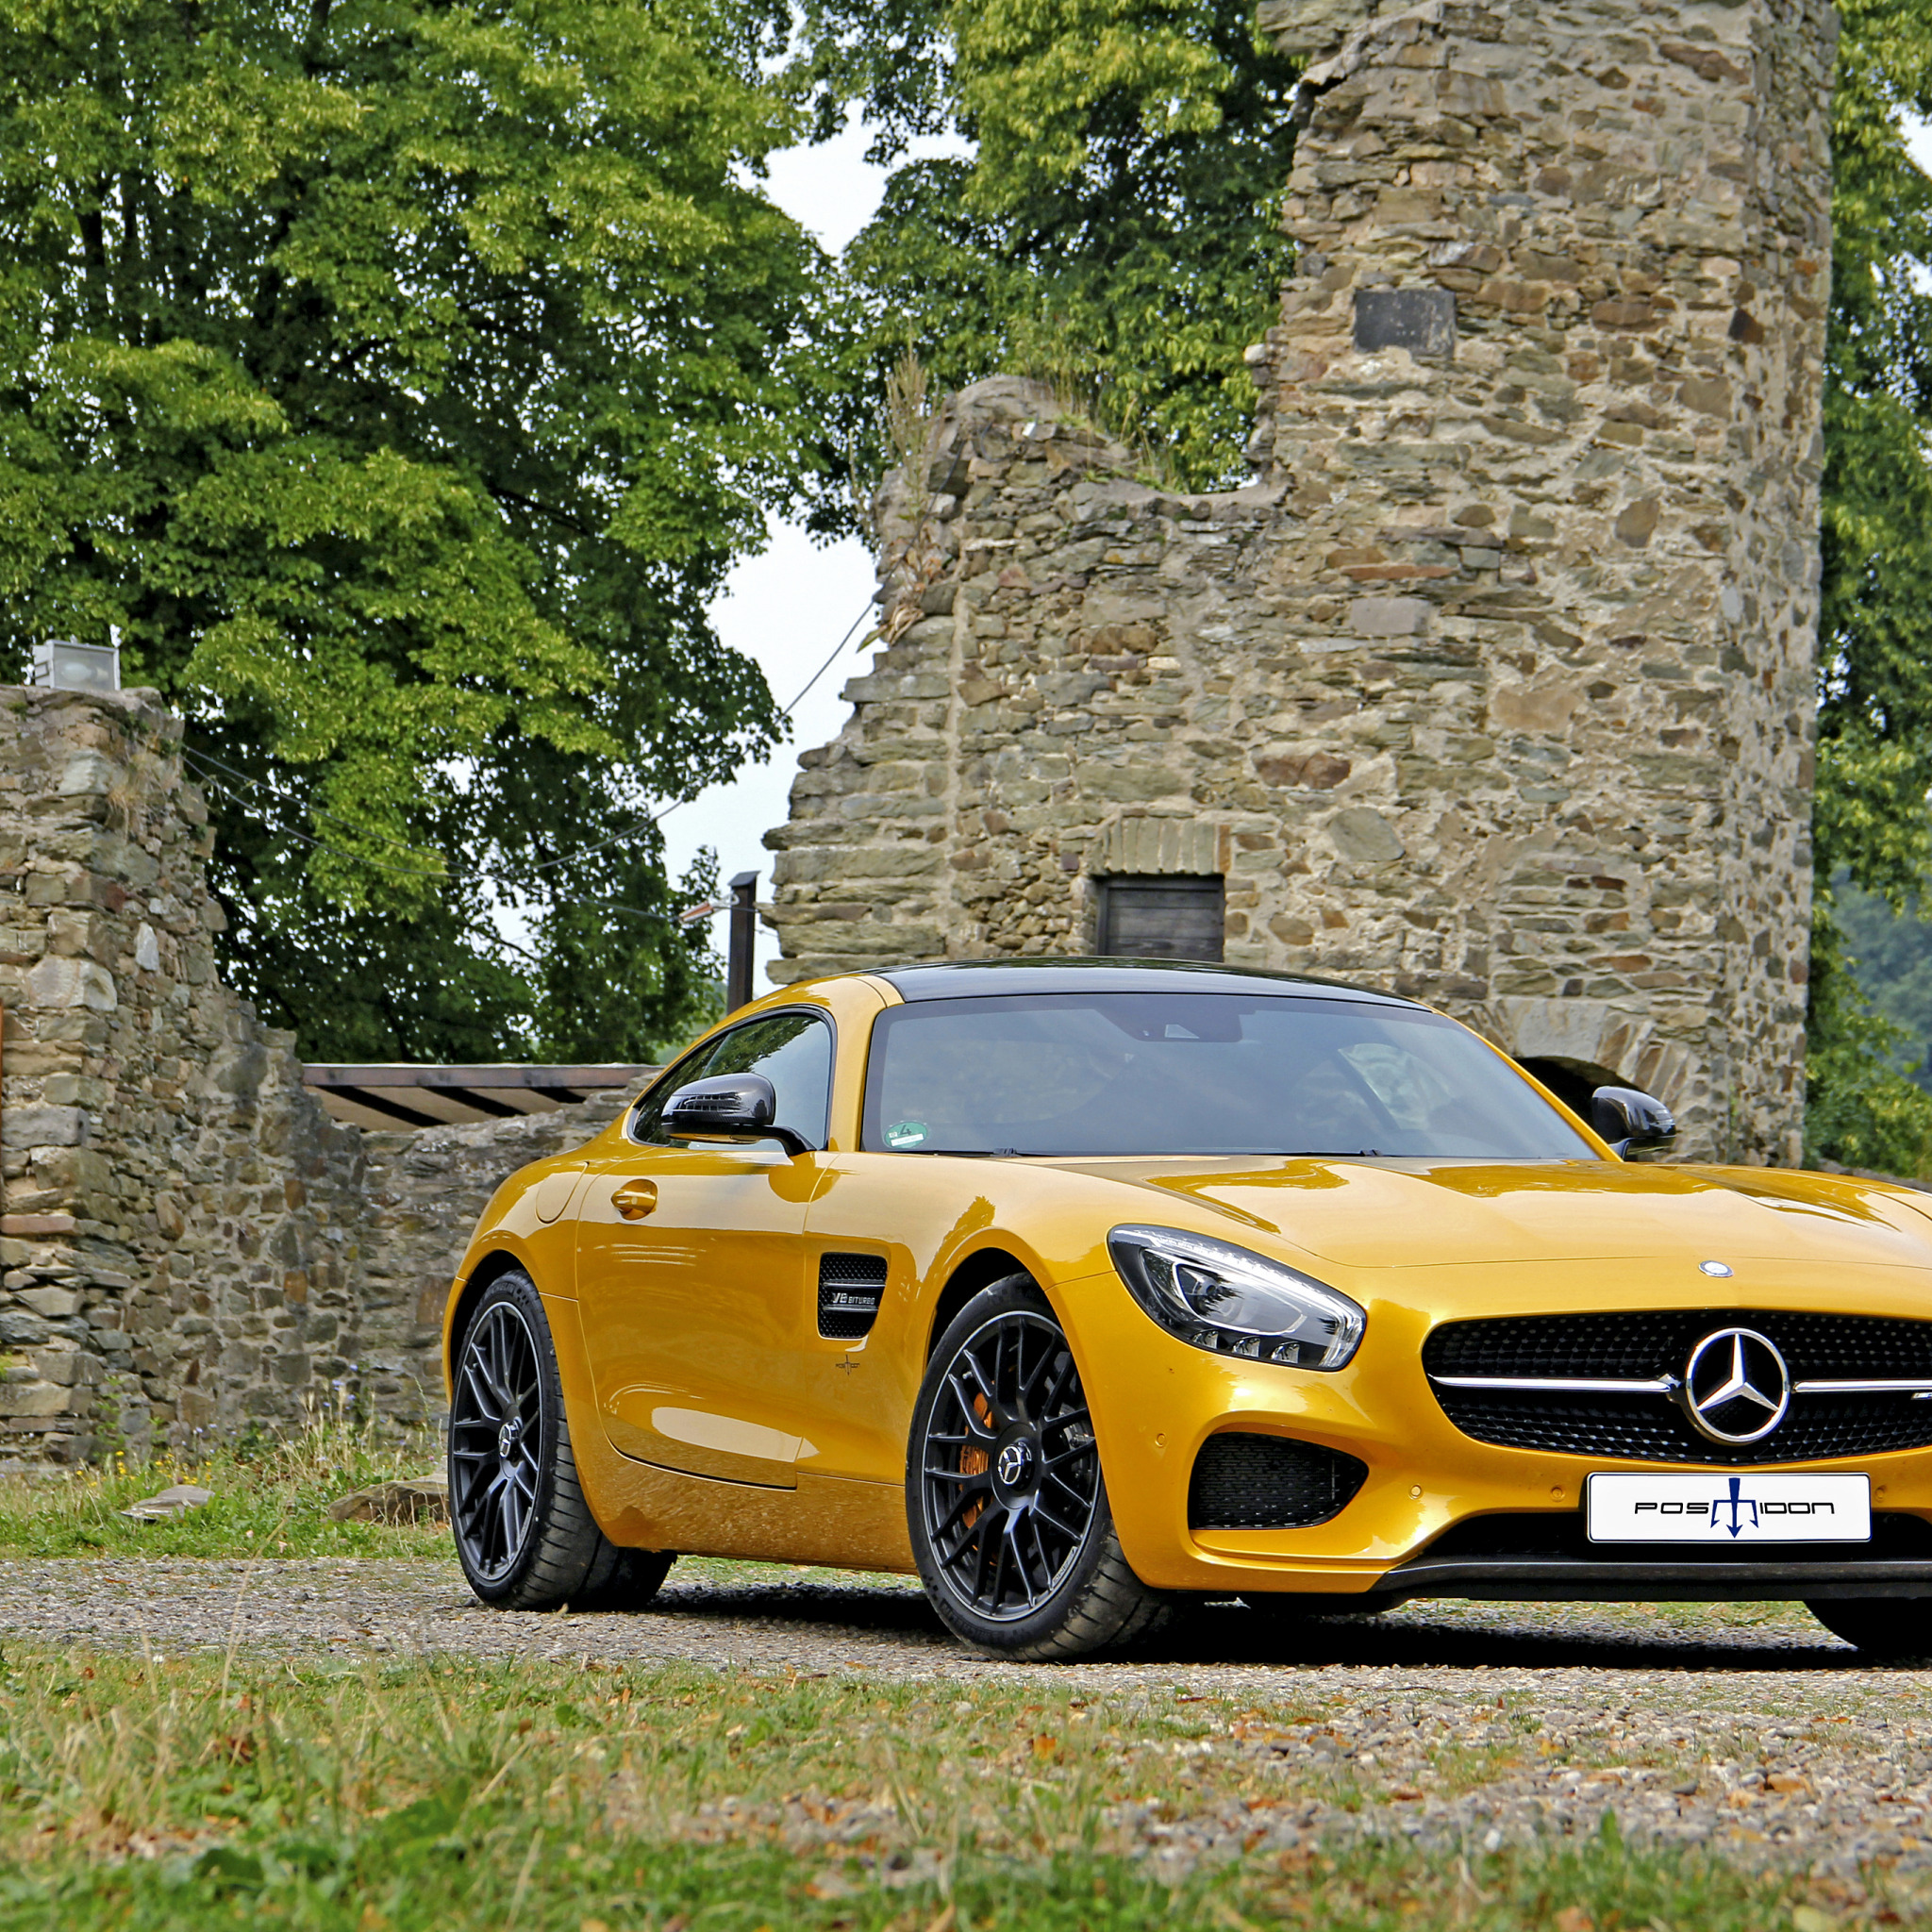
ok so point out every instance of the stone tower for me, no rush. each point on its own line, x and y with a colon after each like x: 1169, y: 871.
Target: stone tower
x: 1495, y: 688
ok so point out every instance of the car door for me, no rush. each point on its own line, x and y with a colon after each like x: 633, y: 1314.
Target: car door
x: 692, y: 1275
x: 870, y: 1239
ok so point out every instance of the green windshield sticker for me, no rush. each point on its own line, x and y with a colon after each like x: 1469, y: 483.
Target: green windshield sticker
x: 906, y: 1134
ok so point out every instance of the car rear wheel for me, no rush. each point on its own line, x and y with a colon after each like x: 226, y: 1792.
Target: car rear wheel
x: 1004, y: 1498
x: 524, y: 1535
x: 1889, y: 1629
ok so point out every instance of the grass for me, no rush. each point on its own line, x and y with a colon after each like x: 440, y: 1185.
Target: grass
x: 204, y: 1791
x: 269, y: 1500
x: 155, y: 1791
x: 274, y: 1502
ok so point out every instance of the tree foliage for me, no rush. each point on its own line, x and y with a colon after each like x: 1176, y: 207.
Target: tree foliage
x: 398, y: 380
x: 1874, y: 762
x: 1895, y: 969
x: 1115, y: 227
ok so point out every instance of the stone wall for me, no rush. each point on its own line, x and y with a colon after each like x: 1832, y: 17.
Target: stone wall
x: 1495, y: 688
x: 421, y: 1196
x: 189, y: 1244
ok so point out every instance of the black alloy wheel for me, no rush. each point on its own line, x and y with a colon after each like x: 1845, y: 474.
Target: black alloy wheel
x: 495, y: 1431
x: 1012, y: 1472
x: 524, y: 1535
x: 1006, y: 1500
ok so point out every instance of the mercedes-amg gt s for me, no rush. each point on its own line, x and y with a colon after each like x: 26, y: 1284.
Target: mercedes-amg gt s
x: 1077, y: 1287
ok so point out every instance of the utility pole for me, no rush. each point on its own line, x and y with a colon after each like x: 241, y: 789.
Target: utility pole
x: 745, y: 915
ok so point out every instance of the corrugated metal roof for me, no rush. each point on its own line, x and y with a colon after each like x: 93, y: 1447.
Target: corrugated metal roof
x: 401, y: 1095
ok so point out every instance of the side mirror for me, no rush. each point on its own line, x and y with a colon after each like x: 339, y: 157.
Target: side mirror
x: 729, y: 1107
x: 1627, y: 1119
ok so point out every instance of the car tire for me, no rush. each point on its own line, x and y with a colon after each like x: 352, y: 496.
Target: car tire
x: 523, y: 1533
x: 1050, y: 1582
x: 1888, y: 1629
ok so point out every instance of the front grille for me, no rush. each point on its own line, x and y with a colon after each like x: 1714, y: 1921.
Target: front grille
x: 1652, y: 1343
x: 1268, y: 1482
x: 1649, y: 1428
x: 1655, y: 1341
x: 849, y: 1290
x: 1560, y: 1536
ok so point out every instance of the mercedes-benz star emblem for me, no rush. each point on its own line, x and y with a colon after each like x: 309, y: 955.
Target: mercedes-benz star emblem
x: 1015, y: 1460
x: 1736, y: 1386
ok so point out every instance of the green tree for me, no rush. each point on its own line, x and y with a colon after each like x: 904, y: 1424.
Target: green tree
x: 1895, y: 969
x: 1116, y: 227
x: 1874, y: 754
x: 398, y: 381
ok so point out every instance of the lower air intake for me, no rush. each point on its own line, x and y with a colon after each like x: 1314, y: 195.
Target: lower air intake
x: 1268, y: 1482
x: 849, y: 1290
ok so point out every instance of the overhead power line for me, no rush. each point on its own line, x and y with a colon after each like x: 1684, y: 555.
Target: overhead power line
x: 827, y: 665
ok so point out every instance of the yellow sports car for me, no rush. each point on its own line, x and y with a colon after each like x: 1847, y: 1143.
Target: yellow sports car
x: 1079, y: 1287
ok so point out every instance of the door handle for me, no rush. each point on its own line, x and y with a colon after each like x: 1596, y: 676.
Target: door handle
x: 635, y: 1199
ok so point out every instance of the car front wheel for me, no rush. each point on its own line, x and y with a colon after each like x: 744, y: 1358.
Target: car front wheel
x: 524, y: 1535
x: 1004, y: 1498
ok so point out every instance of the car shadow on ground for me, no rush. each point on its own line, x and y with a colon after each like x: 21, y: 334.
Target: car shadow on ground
x: 896, y: 1610
x: 1422, y: 1635
x: 1440, y: 1637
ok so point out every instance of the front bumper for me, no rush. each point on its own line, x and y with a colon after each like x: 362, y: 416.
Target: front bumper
x: 1414, y: 1528
x: 1547, y: 1558
x: 1560, y: 1581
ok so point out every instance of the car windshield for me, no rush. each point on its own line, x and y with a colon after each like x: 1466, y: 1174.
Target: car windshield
x: 1197, y: 1074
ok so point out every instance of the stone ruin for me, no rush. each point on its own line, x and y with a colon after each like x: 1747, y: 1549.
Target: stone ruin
x: 189, y: 1244
x: 1496, y: 685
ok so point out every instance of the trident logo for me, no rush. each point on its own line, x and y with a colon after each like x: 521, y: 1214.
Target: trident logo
x: 1737, y: 1503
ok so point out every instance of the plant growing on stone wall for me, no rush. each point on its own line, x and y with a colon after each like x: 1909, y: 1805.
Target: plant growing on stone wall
x: 907, y: 414
x: 1116, y: 223
x: 111, y: 1438
x: 399, y: 385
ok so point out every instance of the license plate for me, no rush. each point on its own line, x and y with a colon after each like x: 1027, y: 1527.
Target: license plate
x: 1729, y: 1511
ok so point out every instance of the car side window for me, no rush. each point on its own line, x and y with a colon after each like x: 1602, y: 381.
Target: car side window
x: 794, y: 1050
x: 647, y: 1123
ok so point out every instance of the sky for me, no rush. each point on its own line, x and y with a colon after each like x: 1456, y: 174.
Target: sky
x: 789, y: 607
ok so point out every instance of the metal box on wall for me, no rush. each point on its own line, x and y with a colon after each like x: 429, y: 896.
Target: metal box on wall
x: 65, y: 665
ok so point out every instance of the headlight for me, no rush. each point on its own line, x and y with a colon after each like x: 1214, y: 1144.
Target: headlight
x: 1229, y: 1302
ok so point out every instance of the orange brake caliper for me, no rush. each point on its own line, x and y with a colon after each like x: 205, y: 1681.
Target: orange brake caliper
x: 975, y: 1461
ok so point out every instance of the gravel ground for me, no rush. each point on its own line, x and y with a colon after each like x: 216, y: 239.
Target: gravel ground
x: 1745, y: 1728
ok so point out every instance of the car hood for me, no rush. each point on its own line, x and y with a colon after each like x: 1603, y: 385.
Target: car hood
x: 1418, y: 1213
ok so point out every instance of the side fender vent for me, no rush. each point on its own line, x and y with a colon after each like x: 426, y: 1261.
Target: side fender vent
x: 1268, y: 1482
x: 849, y: 1290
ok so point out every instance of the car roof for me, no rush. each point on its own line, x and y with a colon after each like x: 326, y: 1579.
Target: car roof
x: 957, y: 980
